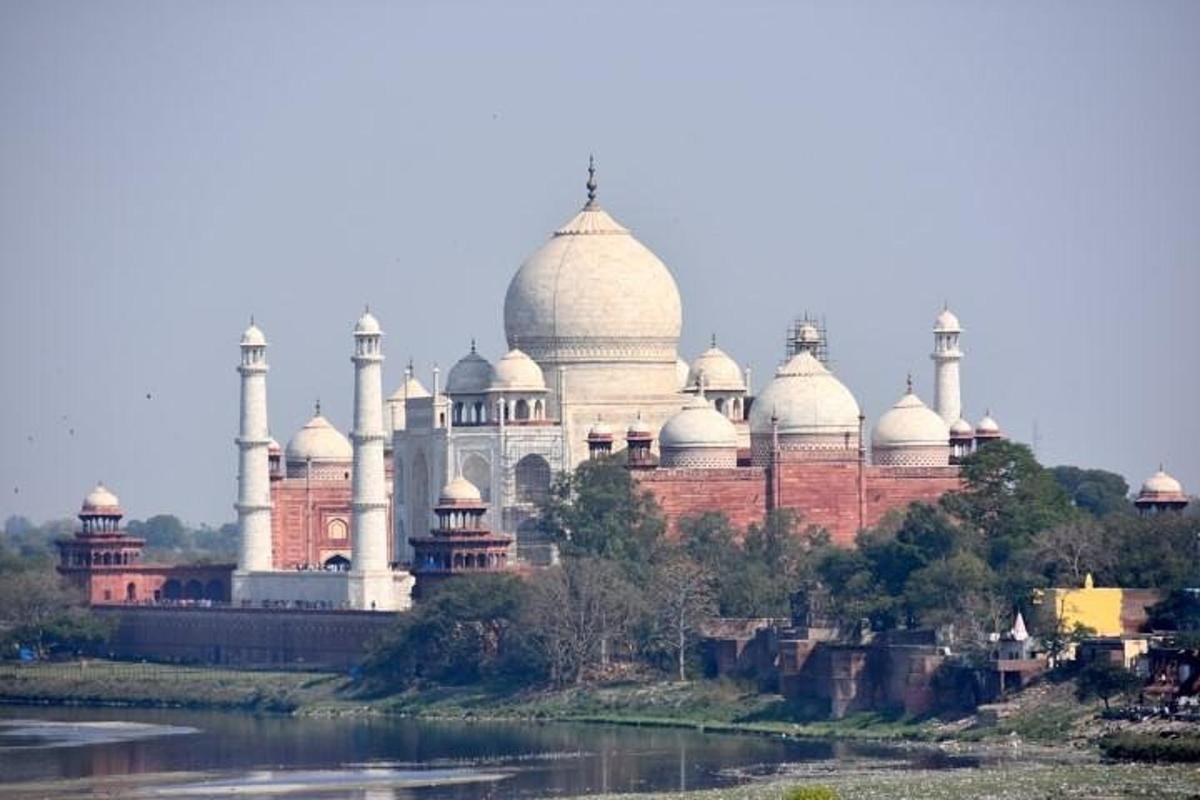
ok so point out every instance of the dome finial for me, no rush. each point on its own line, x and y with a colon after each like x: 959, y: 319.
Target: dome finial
x: 591, y: 182
x: 472, y: 344
x: 909, y: 382
x: 317, y: 408
x: 251, y: 319
x: 714, y: 339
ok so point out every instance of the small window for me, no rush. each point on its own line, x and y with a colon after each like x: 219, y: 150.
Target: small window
x: 336, y: 529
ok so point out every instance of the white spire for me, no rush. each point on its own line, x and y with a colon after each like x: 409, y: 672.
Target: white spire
x: 947, y: 395
x: 370, y: 579
x: 254, y: 483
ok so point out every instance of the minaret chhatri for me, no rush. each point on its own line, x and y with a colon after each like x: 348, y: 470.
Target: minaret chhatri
x: 947, y: 395
x: 254, y: 482
x: 370, y: 578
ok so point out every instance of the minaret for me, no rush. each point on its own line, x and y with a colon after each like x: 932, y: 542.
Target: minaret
x: 254, y: 479
x: 947, y: 397
x: 370, y: 578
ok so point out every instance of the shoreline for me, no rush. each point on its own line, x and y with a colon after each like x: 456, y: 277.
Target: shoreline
x: 702, y: 706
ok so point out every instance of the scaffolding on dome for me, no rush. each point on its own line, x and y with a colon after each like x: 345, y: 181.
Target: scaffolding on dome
x: 793, y: 336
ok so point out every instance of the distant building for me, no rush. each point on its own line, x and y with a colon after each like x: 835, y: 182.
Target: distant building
x: 1160, y: 493
x: 104, y: 561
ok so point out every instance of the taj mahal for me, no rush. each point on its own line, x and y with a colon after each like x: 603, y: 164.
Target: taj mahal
x: 435, y: 480
x: 592, y: 321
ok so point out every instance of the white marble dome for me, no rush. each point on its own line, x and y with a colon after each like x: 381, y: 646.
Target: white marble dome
x: 639, y: 427
x: 1160, y: 483
x: 961, y: 429
x: 517, y: 372
x: 720, y: 372
x: 253, y: 337
x: 946, y: 322
x: 600, y: 429
x: 101, y: 499
x: 911, y: 434
x: 807, y: 400
x: 367, y: 325
x: 698, y: 436
x: 471, y: 375
x: 593, y: 292
x: 988, y: 426
x: 318, y: 440
x: 460, y: 490
x: 910, y: 423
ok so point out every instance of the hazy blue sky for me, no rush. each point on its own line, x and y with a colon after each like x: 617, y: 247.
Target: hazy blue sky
x: 167, y: 169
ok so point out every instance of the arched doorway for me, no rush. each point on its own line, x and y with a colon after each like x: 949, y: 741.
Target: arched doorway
x: 337, y: 563
x: 194, y: 590
x: 172, y: 590
x: 478, y: 471
x: 532, y: 479
x: 418, y: 496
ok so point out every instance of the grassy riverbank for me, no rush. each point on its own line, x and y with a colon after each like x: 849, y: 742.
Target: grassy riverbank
x: 162, y: 685
x: 707, y: 705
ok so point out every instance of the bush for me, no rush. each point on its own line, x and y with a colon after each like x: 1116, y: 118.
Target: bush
x: 1149, y: 747
x: 810, y: 793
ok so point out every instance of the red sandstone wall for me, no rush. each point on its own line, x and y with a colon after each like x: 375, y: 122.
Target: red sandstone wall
x: 245, y: 637
x: 299, y: 537
x: 739, y: 494
x: 896, y: 487
x: 825, y: 494
x: 149, y: 582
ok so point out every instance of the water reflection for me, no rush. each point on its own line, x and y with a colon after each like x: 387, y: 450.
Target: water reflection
x: 394, y: 758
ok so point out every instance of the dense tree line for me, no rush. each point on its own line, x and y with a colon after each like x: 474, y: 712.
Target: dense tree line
x: 625, y: 596
x: 40, y: 615
x: 168, y: 539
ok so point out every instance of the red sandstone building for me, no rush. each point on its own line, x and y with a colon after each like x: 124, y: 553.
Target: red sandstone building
x: 105, y: 562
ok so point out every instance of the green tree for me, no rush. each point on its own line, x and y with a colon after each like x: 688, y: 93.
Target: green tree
x: 161, y: 532
x: 461, y: 634
x: 39, y: 611
x: 1102, y: 678
x: 1157, y: 552
x: 1096, y: 491
x: 576, y: 614
x: 599, y: 510
x: 1008, y: 497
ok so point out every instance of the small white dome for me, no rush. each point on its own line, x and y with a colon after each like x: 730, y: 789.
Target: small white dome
x: 697, y: 425
x: 987, y: 426
x: 910, y: 423
x: 639, y: 427
x: 719, y: 372
x: 460, y: 490
x: 410, y: 389
x: 1161, y: 483
x: 600, y: 429
x: 961, y: 428
x: 367, y: 324
x: 320, y: 441
x: 516, y: 371
x: 471, y: 375
x: 101, y: 499
x: 253, y: 337
x: 946, y: 322
x: 806, y: 399
x: 273, y: 446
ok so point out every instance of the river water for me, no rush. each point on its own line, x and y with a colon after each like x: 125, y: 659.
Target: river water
x: 78, y: 752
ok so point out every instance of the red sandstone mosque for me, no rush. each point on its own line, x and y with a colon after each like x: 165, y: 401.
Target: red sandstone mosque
x: 437, y: 481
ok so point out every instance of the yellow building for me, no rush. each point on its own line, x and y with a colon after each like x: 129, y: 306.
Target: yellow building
x: 1108, y: 611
